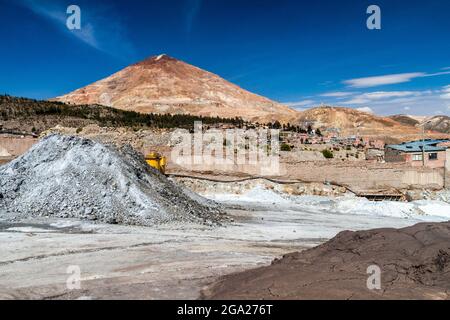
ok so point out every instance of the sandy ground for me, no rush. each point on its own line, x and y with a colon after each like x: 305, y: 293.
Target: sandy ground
x: 170, y: 262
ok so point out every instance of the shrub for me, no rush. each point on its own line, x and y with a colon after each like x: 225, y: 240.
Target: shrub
x: 286, y: 147
x: 328, y: 154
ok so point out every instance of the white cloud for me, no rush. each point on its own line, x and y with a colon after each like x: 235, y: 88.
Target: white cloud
x: 437, y: 74
x: 382, y: 80
x: 446, y: 92
x: 337, y: 94
x: 103, y: 32
x: 394, y: 102
x: 357, y: 100
x: 86, y: 34
x: 382, y: 95
x: 401, y: 101
x: 369, y: 82
x: 299, y: 104
x: 366, y: 109
x: 389, y: 94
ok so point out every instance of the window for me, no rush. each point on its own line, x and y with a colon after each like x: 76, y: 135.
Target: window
x: 417, y: 157
x: 432, y: 156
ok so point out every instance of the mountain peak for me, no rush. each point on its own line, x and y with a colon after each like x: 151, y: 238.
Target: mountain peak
x: 156, y: 59
x: 162, y: 84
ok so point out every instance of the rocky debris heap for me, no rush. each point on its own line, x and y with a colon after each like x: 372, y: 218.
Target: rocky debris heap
x: 72, y: 177
x: 414, y: 264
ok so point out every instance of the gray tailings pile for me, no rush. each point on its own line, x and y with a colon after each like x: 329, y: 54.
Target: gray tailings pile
x: 71, y: 177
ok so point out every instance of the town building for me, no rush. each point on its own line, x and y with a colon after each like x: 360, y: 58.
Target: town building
x: 428, y: 153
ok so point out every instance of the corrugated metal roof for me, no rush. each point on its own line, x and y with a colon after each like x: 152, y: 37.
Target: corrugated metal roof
x: 416, y: 146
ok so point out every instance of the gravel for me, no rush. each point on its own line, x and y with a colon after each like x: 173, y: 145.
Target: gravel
x: 72, y: 177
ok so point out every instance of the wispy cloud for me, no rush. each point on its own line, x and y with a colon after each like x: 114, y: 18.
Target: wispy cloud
x: 337, y: 94
x: 382, y: 80
x: 436, y: 74
x: 193, y: 8
x: 424, y: 101
x: 103, y: 34
x: 300, y: 104
x: 417, y: 102
x: 356, y: 100
x: 366, y: 110
x: 381, y: 95
x: 446, y: 92
x: 369, y: 82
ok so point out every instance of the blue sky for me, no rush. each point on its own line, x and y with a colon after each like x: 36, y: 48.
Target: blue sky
x: 302, y: 53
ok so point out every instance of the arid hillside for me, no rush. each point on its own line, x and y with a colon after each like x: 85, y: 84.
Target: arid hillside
x: 406, y: 119
x: 351, y: 121
x: 435, y: 123
x: 168, y: 86
x: 439, y: 123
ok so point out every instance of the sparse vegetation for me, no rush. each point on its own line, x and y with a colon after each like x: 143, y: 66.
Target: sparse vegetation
x: 318, y: 132
x: 22, y: 108
x: 285, y: 147
x: 328, y: 154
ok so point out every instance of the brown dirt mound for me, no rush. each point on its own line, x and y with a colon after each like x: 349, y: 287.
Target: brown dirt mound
x: 414, y: 263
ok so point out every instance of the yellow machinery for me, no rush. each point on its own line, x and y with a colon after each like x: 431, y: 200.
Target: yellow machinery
x: 157, y: 161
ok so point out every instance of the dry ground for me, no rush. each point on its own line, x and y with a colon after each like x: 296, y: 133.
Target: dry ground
x: 168, y: 262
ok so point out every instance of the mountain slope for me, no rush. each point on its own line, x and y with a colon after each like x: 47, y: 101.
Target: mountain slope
x: 439, y: 123
x: 436, y: 123
x: 165, y: 85
x: 351, y: 121
x: 405, y: 119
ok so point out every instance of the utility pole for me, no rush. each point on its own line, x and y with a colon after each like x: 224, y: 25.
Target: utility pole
x: 423, y: 145
x: 423, y: 141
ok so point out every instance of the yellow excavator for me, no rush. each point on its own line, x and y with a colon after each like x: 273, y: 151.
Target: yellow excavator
x: 157, y: 161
